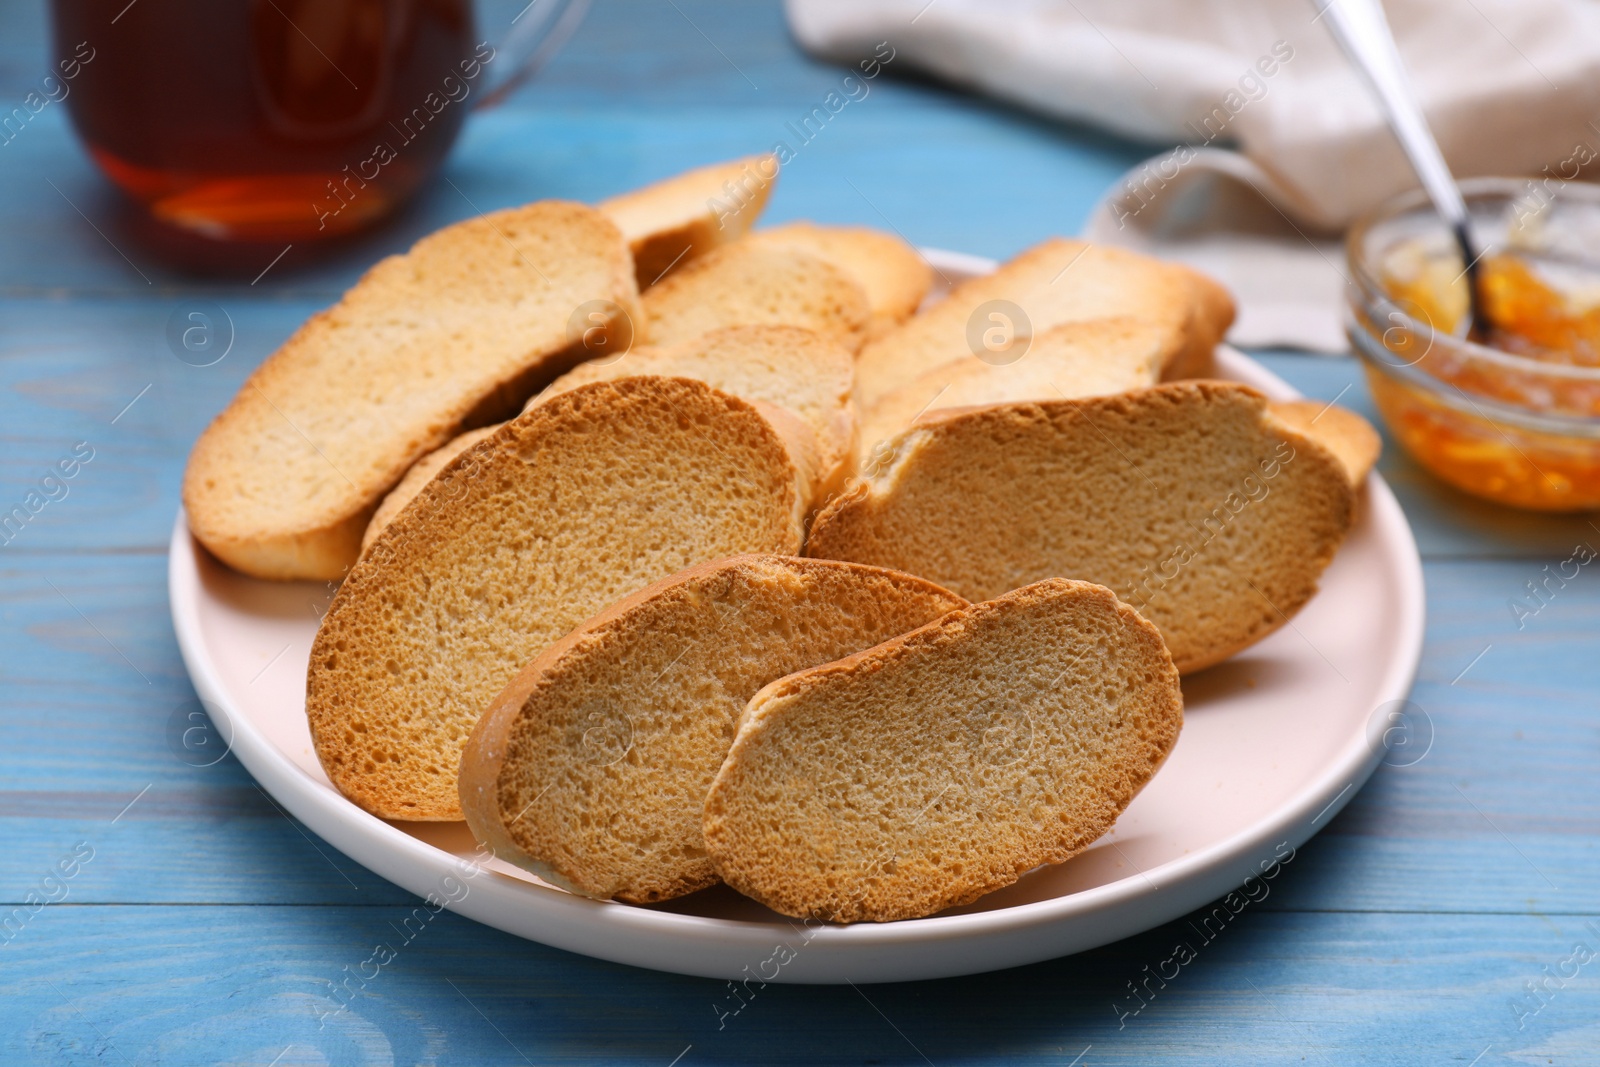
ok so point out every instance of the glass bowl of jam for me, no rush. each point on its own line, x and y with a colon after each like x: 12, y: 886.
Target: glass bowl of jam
x: 1512, y: 412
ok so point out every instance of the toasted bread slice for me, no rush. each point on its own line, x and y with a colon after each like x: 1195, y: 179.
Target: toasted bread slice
x: 672, y: 222
x: 421, y: 473
x: 562, y: 511
x: 894, y: 276
x: 1342, y: 432
x: 800, y: 437
x: 788, y: 366
x: 936, y: 767
x: 1213, y: 315
x: 1053, y: 283
x: 591, y: 768
x: 1188, y: 499
x: 457, y: 332
x: 754, y: 284
x: 784, y: 366
x: 1089, y: 358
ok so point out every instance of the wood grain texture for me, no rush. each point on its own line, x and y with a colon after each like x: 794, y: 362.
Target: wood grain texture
x: 245, y: 985
x: 209, y: 927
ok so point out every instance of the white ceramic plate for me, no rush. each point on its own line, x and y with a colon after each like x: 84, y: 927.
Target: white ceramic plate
x: 1275, y: 742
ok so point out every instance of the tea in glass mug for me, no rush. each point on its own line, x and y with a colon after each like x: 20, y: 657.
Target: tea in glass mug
x: 294, y: 120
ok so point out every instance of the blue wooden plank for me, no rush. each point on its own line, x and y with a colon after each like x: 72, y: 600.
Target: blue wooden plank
x: 102, y: 378
x: 22, y: 58
x: 94, y: 685
x: 245, y: 985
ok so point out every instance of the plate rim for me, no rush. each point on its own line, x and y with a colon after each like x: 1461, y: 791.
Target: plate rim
x: 853, y: 953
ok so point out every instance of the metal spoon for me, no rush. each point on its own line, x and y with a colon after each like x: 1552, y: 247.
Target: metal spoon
x: 1362, y: 31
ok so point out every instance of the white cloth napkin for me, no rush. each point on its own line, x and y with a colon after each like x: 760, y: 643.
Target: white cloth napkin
x: 1511, y: 87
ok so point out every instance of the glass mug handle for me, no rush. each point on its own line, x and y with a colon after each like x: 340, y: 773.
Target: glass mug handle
x: 537, y: 32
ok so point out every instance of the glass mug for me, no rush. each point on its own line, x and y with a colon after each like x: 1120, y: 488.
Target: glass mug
x: 284, y: 120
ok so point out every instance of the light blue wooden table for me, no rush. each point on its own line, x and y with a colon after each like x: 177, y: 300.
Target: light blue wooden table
x: 1433, y: 922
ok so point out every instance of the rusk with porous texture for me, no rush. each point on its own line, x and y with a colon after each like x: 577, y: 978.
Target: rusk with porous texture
x: 591, y: 768
x: 1189, y: 499
x: 455, y: 333
x: 521, y: 537
x: 749, y: 283
x: 1055, y: 282
x: 678, y: 219
x: 939, y: 766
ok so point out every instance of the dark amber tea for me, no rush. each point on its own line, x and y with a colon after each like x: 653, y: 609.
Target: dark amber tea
x: 264, y: 120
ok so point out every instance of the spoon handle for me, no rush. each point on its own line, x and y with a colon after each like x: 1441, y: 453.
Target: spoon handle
x: 1362, y: 31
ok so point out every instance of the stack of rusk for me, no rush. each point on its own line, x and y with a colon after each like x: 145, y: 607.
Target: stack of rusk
x: 780, y: 573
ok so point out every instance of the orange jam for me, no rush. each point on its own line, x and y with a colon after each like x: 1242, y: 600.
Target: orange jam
x: 1456, y: 424
x: 1528, y: 316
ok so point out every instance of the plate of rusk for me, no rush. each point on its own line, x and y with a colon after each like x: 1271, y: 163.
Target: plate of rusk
x: 785, y: 603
